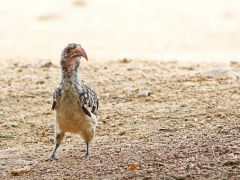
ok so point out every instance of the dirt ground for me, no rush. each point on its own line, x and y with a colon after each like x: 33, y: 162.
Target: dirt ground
x: 186, y: 128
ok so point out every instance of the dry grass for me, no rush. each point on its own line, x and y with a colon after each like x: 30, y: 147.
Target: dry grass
x: 188, y: 128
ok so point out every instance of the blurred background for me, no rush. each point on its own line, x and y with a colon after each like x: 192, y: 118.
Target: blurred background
x: 185, y: 30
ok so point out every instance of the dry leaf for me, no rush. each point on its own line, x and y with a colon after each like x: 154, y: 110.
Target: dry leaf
x: 122, y: 133
x: 134, y: 166
x: 20, y: 171
x: 43, y: 133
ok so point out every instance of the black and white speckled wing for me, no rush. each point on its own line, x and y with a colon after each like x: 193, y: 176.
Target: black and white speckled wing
x: 89, y: 100
x: 56, y: 96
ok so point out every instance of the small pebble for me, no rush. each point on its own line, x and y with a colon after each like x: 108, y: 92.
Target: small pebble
x: 125, y: 60
x: 135, y: 142
x: 130, y: 89
x: 15, y: 125
x: 47, y: 64
x: 142, y: 94
x: 40, y: 81
x: 50, y: 125
x: 33, y: 124
x: 122, y: 133
x: 183, y: 105
x: 220, y: 72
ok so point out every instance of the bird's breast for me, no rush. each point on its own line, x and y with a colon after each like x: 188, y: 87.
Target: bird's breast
x: 69, y: 102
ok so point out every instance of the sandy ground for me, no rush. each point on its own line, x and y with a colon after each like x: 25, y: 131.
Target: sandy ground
x: 186, y: 128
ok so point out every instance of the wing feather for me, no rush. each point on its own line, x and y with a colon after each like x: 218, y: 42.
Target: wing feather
x: 89, y: 99
x: 56, y: 96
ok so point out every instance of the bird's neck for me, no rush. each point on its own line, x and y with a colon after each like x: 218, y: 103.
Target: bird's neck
x: 70, y: 78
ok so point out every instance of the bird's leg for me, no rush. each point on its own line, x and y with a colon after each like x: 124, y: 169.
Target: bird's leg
x: 87, y: 152
x: 88, y: 135
x: 59, y: 139
x: 53, y: 156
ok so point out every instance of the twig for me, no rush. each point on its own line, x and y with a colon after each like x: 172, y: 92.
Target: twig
x: 214, y: 154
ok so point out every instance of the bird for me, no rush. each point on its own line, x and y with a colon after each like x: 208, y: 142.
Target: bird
x: 75, y: 104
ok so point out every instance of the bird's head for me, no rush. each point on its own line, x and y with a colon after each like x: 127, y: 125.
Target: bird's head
x: 70, y: 58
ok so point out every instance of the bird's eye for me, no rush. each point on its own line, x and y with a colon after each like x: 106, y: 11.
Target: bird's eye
x: 70, y: 47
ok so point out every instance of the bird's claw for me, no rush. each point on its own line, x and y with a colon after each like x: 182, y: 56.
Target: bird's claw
x: 85, y: 157
x: 53, y: 158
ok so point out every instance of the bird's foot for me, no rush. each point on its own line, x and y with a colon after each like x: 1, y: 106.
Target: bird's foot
x: 53, y: 158
x: 86, y: 157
